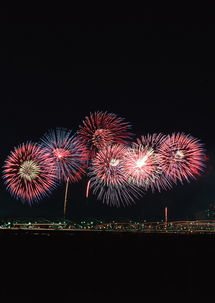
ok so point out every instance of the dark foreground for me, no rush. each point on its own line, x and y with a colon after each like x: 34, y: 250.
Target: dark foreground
x: 106, y: 264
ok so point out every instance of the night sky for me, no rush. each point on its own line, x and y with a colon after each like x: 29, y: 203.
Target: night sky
x: 156, y: 70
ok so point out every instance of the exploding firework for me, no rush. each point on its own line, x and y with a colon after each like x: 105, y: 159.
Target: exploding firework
x: 181, y: 157
x: 101, y: 129
x: 69, y: 154
x: 153, y: 141
x: 29, y: 174
x: 108, y: 177
x: 142, y: 163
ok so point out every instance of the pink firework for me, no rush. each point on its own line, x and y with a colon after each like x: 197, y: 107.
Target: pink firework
x: 153, y: 141
x: 29, y: 173
x: 101, y: 129
x: 142, y: 163
x: 181, y: 157
x: 108, y: 177
x: 68, y: 153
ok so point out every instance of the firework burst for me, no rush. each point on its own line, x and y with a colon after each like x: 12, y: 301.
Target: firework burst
x: 142, y: 163
x: 153, y: 141
x: 181, y: 157
x: 68, y: 153
x: 29, y: 174
x: 101, y: 129
x: 108, y: 177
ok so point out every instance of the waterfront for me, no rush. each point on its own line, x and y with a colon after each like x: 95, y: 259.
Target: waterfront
x: 197, y: 226
x: 86, y: 262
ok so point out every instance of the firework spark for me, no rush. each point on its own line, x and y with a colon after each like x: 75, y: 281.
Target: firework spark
x: 88, y: 189
x: 142, y: 163
x: 69, y: 154
x: 101, y: 129
x: 182, y: 157
x: 29, y: 174
x: 108, y: 177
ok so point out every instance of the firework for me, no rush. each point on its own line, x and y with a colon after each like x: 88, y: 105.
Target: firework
x: 69, y: 155
x: 181, y: 157
x: 153, y: 141
x: 29, y: 174
x: 142, y: 163
x: 87, y: 189
x: 108, y: 177
x: 101, y: 129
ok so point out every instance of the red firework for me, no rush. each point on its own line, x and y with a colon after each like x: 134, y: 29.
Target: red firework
x: 29, y: 173
x: 108, y: 176
x: 101, y: 129
x: 181, y: 157
x: 153, y: 141
x: 142, y: 163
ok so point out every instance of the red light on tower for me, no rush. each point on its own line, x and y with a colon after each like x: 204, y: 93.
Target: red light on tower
x: 166, y: 214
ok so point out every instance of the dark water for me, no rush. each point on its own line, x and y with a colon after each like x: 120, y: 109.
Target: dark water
x: 106, y: 264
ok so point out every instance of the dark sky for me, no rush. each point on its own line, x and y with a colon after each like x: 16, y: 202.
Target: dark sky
x: 152, y: 67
